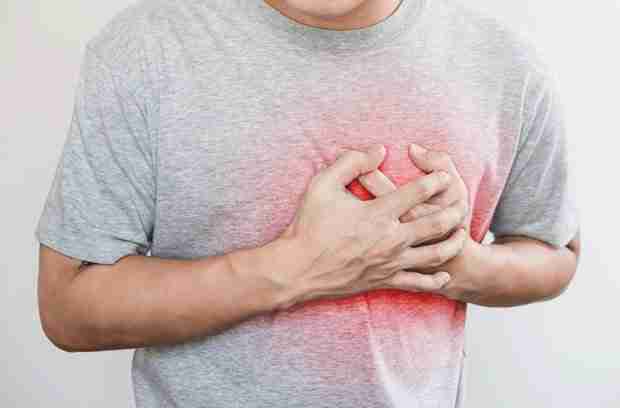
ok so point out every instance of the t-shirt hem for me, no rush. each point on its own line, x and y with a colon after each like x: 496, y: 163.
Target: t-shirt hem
x: 84, y: 248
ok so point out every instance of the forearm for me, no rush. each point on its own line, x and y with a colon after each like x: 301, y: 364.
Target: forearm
x: 515, y: 271
x: 144, y: 301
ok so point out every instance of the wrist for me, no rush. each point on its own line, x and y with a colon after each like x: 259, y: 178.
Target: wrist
x: 483, y: 276
x: 270, y: 266
x: 469, y: 273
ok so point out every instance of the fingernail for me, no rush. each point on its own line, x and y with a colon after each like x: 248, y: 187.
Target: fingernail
x: 443, y: 277
x: 444, y: 175
x: 416, y: 149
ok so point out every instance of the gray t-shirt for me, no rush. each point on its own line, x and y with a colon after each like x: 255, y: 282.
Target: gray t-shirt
x: 197, y: 126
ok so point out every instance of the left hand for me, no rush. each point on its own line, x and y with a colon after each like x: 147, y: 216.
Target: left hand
x: 462, y: 267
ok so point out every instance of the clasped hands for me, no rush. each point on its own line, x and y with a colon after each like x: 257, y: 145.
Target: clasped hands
x: 415, y: 237
x: 460, y: 273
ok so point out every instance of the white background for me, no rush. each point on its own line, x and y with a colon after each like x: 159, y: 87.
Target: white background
x: 562, y: 353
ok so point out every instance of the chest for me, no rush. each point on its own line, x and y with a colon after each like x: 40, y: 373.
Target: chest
x: 236, y: 153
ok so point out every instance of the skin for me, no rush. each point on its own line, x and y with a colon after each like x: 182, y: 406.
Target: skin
x: 336, y: 14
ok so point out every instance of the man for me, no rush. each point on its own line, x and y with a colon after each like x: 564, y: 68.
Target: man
x: 313, y: 180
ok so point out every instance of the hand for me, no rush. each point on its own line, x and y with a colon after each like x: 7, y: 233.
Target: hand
x: 341, y: 245
x: 462, y: 270
x: 428, y: 161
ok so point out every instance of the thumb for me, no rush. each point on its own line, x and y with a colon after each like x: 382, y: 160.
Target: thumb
x: 352, y: 164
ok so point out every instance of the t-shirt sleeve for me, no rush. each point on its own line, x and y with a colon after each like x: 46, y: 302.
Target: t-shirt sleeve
x: 539, y: 198
x: 101, y: 203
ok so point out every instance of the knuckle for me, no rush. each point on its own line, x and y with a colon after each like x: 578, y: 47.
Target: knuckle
x: 442, y: 253
x: 433, y: 284
x: 408, y: 216
x: 432, y: 155
x: 383, y: 224
x: 318, y: 184
x: 413, y: 234
x: 425, y: 186
x: 378, y: 226
x: 318, y: 179
x: 445, y: 251
x: 397, y: 245
x: 392, y: 264
x: 404, y: 260
x: 462, y: 210
x: 444, y: 159
x: 357, y: 263
x: 343, y: 154
x: 384, y: 258
x: 437, y: 255
x: 440, y: 224
x: 355, y: 155
x: 443, y: 178
x: 438, y: 157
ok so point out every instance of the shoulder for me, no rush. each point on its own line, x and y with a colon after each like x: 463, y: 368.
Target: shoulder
x: 492, y: 37
x: 127, y: 48
x: 500, y: 56
x: 504, y: 57
x: 133, y: 34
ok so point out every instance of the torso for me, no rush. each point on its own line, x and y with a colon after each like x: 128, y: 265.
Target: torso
x: 240, y: 138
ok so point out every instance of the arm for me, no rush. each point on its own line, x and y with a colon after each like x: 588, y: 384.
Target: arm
x: 101, y: 208
x: 511, y: 271
x: 140, y: 300
x: 536, y: 221
x: 143, y: 300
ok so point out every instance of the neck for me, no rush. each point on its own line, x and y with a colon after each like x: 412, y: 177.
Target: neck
x: 367, y: 13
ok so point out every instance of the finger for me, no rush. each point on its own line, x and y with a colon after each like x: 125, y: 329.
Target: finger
x: 429, y: 256
x: 352, y: 163
x: 435, y: 225
x: 430, y: 160
x: 421, y: 210
x: 417, y: 191
x: 434, y: 204
x: 418, y: 282
x: 378, y: 184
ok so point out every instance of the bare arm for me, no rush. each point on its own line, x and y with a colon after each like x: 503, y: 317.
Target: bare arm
x: 512, y: 271
x: 143, y: 300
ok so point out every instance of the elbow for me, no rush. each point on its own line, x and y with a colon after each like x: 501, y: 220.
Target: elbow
x: 65, y: 319
x: 573, y: 253
x: 564, y: 276
x: 56, y: 332
x: 562, y: 282
x: 63, y: 332
x: 64, y: 346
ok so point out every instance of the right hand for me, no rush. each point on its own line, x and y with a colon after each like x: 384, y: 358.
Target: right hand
x: 344, y: 245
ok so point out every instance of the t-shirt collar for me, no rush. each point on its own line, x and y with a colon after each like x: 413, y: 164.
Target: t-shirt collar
x: 322, y: 39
